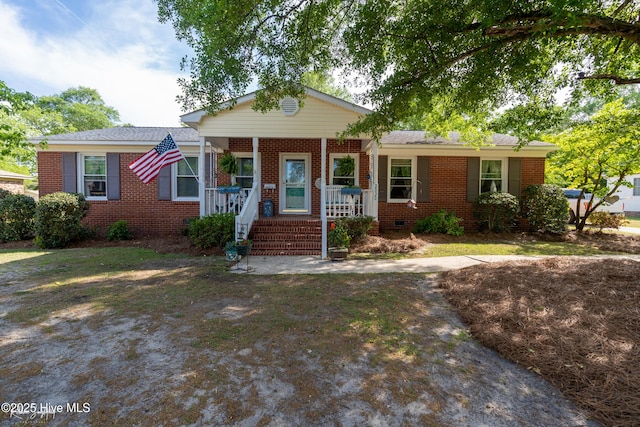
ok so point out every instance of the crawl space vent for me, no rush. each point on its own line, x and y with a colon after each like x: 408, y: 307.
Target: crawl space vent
x: 289, y: 106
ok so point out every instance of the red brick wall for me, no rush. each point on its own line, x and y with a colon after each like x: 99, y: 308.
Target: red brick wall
x: 138, y: 204
x: 448, y: 190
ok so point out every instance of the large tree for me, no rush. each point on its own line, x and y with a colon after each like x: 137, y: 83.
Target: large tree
x: 412, y: 56
x: 81, y: 108
x: 598, y: 154
x: 24, y: 115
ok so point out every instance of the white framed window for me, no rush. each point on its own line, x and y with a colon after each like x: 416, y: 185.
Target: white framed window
x: 185, y: 183
x: 335, y: 178
x: 636, y: 186
x: 493, y: 175
x: 92, y: 175
x: 244, y: 177
x: 402, y: 172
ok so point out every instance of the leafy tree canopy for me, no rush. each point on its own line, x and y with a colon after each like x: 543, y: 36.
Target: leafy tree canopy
x: 24, y: 115
x: 413, y: 57
x: 597, y: 155
x: 81, y: 108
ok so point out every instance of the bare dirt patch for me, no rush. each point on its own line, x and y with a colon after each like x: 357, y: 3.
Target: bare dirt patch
x: 194, y: 345
x: 574, y: 322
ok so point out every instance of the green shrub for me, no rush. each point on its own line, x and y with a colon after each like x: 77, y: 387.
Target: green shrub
x: 356, y: 227
x: 600, y: 220
x: 58, y: 219
x: 17, y: 216
x: 338, y: 236
x: 546, y: 208
x: 496, y: 211
x: 213, y: 230
x: 440, y: 222
x: 119, y: 230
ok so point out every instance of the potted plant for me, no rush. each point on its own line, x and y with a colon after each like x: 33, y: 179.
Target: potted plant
x: 229, y: 165
x: 243, y: 247
x: 339, y: 241
x: 230, y: 251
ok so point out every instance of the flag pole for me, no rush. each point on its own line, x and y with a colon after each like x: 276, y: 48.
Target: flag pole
x: 195, y: 175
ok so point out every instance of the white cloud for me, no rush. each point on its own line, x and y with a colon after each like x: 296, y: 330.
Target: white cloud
x: 126, y: 55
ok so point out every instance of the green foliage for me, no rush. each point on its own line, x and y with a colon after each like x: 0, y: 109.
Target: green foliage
x: 345, y: 166
x: 440, y: 222
x: 229, y: 164
x: 496, y: 211
x: 58, y: 219
x: 338, y: 236
x: 357, y: 227
x: 545, y: 207
x: 23, y: 115
x: 119, y: 230
x: 414, y: 56
x: 17, y: 213
x: 81, y: 108
x: 213, y: 230
x: 597, y: 155
x: 601, y: 219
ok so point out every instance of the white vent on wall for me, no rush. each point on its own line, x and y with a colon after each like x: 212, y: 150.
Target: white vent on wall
x: 289, y: 106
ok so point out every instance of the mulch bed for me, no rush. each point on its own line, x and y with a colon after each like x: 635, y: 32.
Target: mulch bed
x: 574, y: 322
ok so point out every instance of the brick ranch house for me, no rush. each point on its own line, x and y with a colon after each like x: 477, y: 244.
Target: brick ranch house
x: 287, y: 160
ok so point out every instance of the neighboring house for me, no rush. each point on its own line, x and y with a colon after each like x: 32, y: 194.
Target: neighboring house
x: 631, y: 196
x: 287, y: 160
x: 13, y: 182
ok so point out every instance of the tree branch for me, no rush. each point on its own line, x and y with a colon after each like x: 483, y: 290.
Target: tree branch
x: 616, y: 79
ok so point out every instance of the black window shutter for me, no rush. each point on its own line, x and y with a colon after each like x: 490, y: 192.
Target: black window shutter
x: 423, y: 188
x: 69, y: 173
x: 164, y: 183
x: 473, y: 178
x: 515, y: 176
x: 113, y: 176
x: 382, y: 178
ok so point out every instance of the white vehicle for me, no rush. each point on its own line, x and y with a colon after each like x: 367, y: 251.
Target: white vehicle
x: 612, y: 204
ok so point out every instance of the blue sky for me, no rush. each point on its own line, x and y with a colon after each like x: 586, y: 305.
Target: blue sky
x: 115, y: 46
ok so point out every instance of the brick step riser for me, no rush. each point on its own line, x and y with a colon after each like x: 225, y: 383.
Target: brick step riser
x: 285, y: 245
x: 286, y: 230
x: 292, y: 237
x: 284, y: 253
x: 283, y: 238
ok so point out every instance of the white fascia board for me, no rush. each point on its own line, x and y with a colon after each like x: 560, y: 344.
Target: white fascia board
x: 337, y: 102
x: 460, y: 150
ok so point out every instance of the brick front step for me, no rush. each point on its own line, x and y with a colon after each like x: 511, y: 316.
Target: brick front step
x: 281, y: 236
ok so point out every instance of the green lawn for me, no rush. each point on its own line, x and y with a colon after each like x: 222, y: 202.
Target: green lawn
x: 634, y: 221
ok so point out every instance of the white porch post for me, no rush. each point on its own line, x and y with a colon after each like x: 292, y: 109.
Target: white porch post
x: 256, y: 168
x: 323, y: 195
x: 201, y: 178
x: 374, y: 180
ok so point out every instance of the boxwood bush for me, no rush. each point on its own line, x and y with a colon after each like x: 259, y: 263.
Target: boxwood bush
x: 119, y: 230
x: 213, y: 230
x: 58, y: 219
x: 496, y: 211
x: 17, y: 216
x: 356, y: 227
x: 546, y: 208
x: 440, y: 222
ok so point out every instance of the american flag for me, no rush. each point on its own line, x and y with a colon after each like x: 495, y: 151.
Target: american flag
x: 148, y: 166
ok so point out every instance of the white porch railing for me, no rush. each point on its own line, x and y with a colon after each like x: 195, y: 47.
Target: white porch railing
x: 248, y: 214
x: 345, y: 205
x: 220, y: 202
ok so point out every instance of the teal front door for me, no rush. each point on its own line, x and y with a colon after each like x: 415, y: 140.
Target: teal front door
x: 295, y: 189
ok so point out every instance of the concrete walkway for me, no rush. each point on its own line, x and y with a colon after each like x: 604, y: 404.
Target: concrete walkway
x: 315, y: 265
